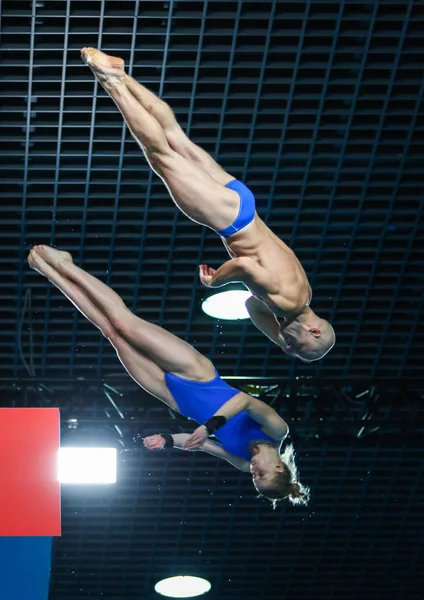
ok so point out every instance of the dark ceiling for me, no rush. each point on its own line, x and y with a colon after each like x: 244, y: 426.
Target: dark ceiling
x: 318, y: 107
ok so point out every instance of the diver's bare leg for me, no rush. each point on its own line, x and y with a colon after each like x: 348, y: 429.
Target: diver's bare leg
x: 140, y: 367
x: 161, y: 111
x: 175, y: 135
x: 196, y: 193
x: 166, y: 350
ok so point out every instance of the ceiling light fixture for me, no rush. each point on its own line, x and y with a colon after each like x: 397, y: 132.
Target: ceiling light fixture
x: 87, y: 465
x: 229, y: 305
x: 182, y: 586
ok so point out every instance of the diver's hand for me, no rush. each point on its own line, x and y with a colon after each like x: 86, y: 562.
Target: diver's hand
x: 154, y: 442
x: 197, y: 438
x: 206, y: 274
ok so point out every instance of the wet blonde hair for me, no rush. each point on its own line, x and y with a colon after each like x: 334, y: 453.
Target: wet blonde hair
x: 285, y: 484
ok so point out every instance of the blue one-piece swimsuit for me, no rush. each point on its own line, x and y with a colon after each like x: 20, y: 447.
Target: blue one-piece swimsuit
x: 199, y: 401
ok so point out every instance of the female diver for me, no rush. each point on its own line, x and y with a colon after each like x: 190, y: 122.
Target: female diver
x: 249, y: 431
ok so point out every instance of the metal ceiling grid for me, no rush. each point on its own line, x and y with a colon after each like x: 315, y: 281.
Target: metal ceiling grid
x: 318, y: 106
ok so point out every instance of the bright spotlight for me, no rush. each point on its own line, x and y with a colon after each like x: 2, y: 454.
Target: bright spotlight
x: 228, y: 305
x: 87, y: 465
x: 182, y: 586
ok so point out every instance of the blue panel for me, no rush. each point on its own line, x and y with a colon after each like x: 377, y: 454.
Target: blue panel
x: 25, y: 567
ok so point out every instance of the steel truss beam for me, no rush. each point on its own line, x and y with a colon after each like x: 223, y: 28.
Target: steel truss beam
x: 326, y: 409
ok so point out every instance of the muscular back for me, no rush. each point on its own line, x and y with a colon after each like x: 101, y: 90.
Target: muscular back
x: 287, y: 288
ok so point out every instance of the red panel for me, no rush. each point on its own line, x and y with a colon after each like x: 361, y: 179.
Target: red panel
x: 29, y: 488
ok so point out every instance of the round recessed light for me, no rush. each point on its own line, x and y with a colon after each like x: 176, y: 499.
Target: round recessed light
x: 228, y: 305
x: 182, y: 586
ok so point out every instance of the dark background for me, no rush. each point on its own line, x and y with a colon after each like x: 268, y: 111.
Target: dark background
x: 318, y: 107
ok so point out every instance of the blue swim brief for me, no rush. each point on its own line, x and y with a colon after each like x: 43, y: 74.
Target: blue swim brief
x: 247, y: 208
